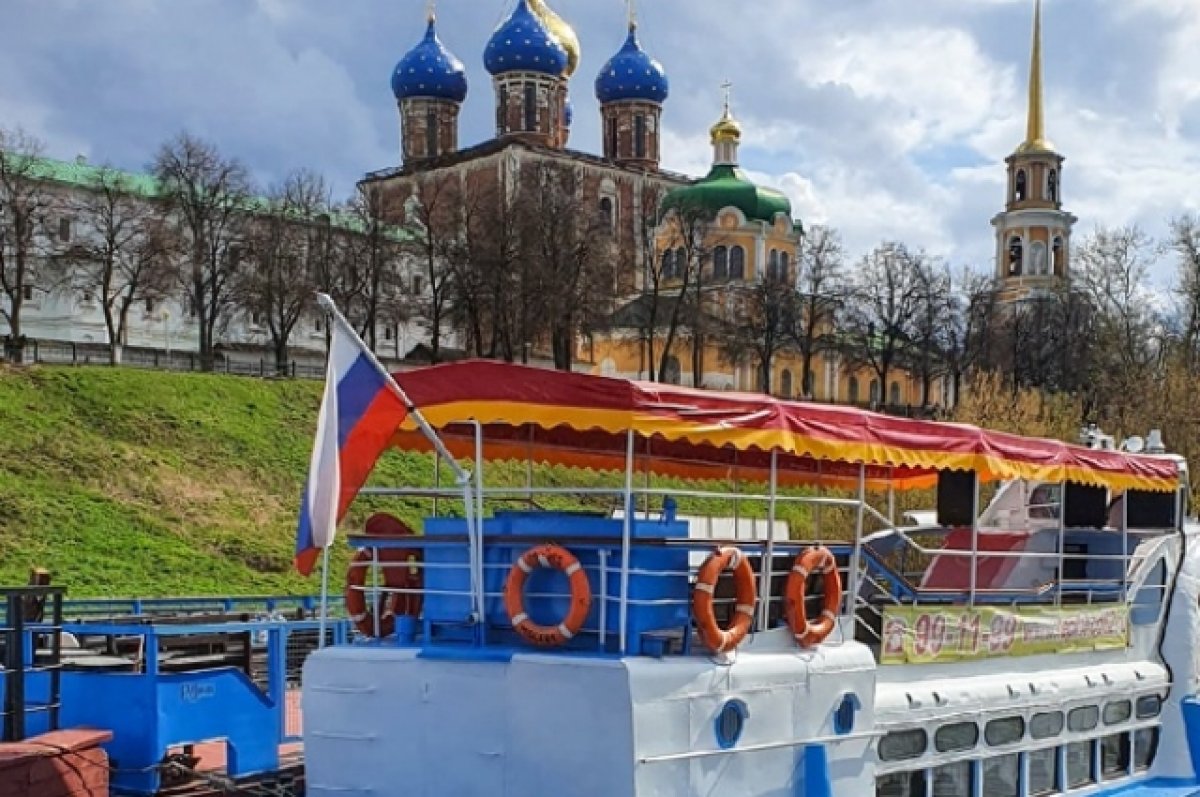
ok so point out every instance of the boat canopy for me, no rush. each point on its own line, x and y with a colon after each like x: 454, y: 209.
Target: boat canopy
x: 584, y: 421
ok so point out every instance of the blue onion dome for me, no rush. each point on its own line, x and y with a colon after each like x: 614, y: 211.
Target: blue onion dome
x: 631, y: 74
x: 430, y: 70
x: 522, y: 43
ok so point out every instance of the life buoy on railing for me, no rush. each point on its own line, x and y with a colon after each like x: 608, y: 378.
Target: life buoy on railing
x: 716, y: 638
x: 401, y: 571
x: 814, y: 561
x: 551, y: 556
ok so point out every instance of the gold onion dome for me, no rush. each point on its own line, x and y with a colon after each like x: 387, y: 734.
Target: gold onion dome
x: 726, y: 129
x: 560, y: 30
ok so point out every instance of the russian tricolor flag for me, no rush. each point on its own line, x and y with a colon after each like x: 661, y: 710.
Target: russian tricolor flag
x: 359, y: 413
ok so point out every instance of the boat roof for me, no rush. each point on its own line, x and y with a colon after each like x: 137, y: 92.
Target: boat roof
x: 581, y: 420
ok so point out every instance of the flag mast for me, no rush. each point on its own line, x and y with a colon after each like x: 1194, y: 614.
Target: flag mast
x: 462, y: 477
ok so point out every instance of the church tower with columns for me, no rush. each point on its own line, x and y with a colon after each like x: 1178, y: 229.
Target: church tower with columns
x: 1033, y: 233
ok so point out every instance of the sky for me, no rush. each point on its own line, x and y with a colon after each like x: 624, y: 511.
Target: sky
x: 886, y: 119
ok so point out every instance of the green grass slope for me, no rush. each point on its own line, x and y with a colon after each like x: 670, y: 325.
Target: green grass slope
x: 138, y: 483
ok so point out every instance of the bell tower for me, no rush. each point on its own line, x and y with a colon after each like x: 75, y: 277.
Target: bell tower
x: 1033, y: 233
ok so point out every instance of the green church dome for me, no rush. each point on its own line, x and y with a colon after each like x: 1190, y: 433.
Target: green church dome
x: 727, y: 186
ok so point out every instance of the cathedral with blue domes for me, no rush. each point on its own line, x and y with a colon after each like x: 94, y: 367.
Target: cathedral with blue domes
x: 532, y: 56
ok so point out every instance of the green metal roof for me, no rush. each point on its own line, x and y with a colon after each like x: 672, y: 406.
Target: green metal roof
x: 81, y: 174
x: 727, y: 186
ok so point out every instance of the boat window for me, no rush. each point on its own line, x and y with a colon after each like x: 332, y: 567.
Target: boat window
x: 1047, y: 725
x: 1145, y: 745
x: 954, y: 780
x: 1079, y: 764
x: 1117, y: 712
x: 899, y: 745
x: 1043, y: 768
x: 959, y: 736
x: 1114, y: 756
x: 901, y: 784
x: 1148, y: 706
x: 1004, y: 731
x: 1002, y: 776
x: 1083, y: 718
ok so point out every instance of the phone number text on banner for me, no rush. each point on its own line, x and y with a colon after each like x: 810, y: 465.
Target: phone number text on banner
x: 922, y: 635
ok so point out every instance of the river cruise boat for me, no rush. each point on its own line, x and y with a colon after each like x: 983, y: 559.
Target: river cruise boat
x: 716, y: 594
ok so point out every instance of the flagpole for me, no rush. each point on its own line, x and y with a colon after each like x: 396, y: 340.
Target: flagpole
x: 460, y: 475
x: 324, y: 596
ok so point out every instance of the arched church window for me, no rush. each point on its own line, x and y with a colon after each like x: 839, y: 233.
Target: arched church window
x: 502, y: 111
x: 1022, y: 186
x: 668, y: 264
x: 784, y: 267
x: 737, y: 263
x: 853, y: 390
x: 773, y: 265
x: 639, y: 136
x: 612, y: 136
x: 1059, y: 253
x: 681, y: 262
x: 1052, y: 185
x: 785, y: 383
x: 894, y: 398
x: 530, y: 107
x: 1037, y: 254
x: 1016, y: 253
x: 606, y: 212
x: 721, y: 263
x: 431, y: 133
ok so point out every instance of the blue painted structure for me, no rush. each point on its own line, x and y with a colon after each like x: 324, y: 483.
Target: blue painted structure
x: 150, y: 711
x: 657, y: 603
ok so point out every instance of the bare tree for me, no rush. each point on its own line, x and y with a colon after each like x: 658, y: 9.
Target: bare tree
x: 25, y: 204
x: 568, y: 248
x: 821, y: 292
x: 1112, y: 271
x: 283, y: 247
x: 884, y: 296
x: 436, y: 227
x: 686, y: 237
x: 1184, y: 242
x: 643, y: 256
x: 124, y: 253
x: 967, y: 329
x: 757, y: 323
x: 933, y: 304
x: 370, y: 277
x: 208, y: 193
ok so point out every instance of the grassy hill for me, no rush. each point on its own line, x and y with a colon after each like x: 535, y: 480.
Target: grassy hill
x: 138, y: 483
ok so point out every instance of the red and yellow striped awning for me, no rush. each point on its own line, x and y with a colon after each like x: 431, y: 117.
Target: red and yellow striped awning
x: 583, y: 421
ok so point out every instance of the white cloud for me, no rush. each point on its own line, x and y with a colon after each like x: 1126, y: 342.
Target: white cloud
x: 884, y: 118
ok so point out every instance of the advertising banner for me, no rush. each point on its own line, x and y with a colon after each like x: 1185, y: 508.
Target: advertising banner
x: 928, y: 634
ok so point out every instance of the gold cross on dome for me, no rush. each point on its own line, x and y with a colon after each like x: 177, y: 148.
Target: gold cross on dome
x: 631, y: 6
x: 727, y: 86
x: 431, y: 10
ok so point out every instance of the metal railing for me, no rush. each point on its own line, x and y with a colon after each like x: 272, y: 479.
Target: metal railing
x: 25, y: 629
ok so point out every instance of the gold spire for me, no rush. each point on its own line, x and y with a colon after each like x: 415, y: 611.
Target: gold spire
x: 561, y: 31
x: 727, y: 128
x: 1035, y: 133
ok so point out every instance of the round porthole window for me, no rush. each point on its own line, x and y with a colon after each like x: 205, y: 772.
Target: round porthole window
x: 731, y: 721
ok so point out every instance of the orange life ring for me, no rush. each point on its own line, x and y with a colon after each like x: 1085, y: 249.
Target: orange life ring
x: 388, y: 604
x: 818, y: 560
x: 716, y: 638
x: 514, y: 595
